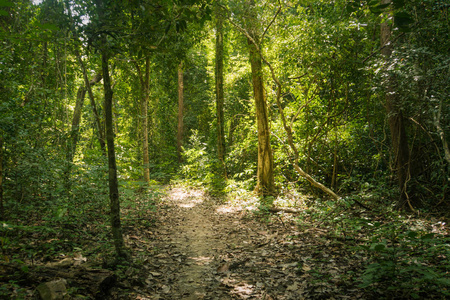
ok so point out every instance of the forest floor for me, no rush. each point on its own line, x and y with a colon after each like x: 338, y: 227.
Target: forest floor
x: 205, y: 249
x: 189, y: 245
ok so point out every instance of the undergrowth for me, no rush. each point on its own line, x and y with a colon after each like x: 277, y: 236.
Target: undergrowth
x: 401, y: 256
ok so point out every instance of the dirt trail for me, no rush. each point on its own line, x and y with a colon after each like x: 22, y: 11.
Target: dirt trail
x: 202, y: 249
x: 195, y: 235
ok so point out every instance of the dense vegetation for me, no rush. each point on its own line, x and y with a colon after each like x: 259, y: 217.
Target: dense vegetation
x: 346, y: 101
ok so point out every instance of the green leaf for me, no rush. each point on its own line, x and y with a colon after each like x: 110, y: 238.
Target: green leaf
x: 3, y: 12
x: 378, y: 9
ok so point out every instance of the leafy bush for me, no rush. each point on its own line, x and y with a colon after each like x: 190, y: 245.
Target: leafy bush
x: 407, y: 264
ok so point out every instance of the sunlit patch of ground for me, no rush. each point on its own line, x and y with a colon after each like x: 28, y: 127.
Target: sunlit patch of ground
x: 186, y: 198
x: 291, y: 198
x: 202, y: 260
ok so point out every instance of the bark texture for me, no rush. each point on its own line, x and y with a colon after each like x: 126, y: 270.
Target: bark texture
x: 266, y: 183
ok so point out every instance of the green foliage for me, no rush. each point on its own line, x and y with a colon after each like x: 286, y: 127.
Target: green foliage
x: 408, y: 263
x: 201, y: 167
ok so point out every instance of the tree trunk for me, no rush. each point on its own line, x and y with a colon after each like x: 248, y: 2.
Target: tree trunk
x: 180, y: 112
x: 116, y: 227
x: 98, y: 123
x: 253, y: 41
x: 400, y: 148
x: 219, y: 89
x: 265, y: 179
x: 145, y: 90
x: 77, y: 116
x: 99, y: 127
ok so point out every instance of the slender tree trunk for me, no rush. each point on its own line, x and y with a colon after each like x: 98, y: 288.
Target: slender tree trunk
x: 396, y: 122
x: 265, y: 183
x: 98, y: 123
x: 219, y: 89
x: 180, y: 112
x: 116, y: 227
x: 145, y: 90
x: 145, y: 121
x: 77, y: 116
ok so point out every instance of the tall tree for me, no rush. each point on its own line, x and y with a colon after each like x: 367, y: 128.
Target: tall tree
x: 265, y: 178
x: 219, y: 86
x: 116, y: 227
x: 396, y: 120
x: 253, y: 41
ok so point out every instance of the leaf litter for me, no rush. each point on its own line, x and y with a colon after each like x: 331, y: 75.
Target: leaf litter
x: 203, y: 249
x: 193, y: 246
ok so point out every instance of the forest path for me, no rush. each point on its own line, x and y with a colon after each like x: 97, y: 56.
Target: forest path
x: 196, y: 236
x: 208, y: 250
x: 203, y: 249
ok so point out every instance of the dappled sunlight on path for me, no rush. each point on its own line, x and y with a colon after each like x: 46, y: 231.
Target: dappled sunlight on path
x: 186, y: 198
x: 210, y: 250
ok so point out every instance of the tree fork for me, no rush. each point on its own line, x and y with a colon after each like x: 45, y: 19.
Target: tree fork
x: 98, y: 123
x: 76, y: 118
